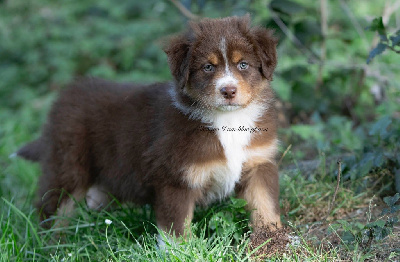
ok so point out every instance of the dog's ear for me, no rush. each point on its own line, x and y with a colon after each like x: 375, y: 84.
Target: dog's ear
x: 266, y: 49
x: 177, y: 50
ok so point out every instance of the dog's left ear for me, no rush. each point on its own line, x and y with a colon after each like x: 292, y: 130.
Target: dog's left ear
x: 177, y: 51
x: 266, y: 49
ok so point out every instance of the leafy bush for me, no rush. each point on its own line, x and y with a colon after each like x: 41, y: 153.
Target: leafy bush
x: 97, y: 38
x: 391, y: 42
x: 363, y: 235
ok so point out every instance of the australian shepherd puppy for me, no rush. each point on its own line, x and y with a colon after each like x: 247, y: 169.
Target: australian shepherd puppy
x: 210, y: 133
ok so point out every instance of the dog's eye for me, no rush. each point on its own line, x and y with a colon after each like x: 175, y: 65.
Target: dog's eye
x: 243, y: 65
x: 208, y: 68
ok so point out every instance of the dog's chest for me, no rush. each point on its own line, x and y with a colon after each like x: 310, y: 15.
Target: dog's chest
x: 217, y: 179
x: 234, y: 144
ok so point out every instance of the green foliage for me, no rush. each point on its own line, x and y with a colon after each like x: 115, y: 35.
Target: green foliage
x: 224, y: 217
x: 391, y: 202
x: 380, y: 147
x: 328, y: 89
x: 391, y: 42
x: 367, y: 152
x: 286, y: 7
x: 325, y: 72
x: 363, y: 235
x: 95, y: 38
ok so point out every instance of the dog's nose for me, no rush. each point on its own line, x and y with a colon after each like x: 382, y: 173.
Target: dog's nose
x: 228, y: 92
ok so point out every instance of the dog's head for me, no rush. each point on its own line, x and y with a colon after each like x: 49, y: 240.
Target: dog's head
x: 222, y: 64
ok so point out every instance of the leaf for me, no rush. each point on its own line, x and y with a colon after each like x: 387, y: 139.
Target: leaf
x: 346, y: 225
x: 238, y: 202
x: 359, y: 225
x: 380, y: 127
x: 376, y: 51
x: 377, y: 25
x: 378, y: 223
x: 366, y: 164
x: 384, y: 233
x: 380, y: 233
x: 348, y: 237
x: 216, y: 221
x: 286, y: 7
x: 391, y: 221
x: 395, y: 39
x: 391, y: 201
x: 390, y: 210
x: 307, y: 132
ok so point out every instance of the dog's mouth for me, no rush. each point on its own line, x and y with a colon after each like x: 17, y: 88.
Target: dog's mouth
x: 229, y: 107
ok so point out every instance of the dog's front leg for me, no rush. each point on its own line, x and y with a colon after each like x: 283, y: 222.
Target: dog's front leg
x: 174, y: 209
x: 259, y: 186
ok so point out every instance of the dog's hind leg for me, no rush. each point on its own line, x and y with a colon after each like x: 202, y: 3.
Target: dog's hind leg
x: 66, y: 179
x: 58, y: 199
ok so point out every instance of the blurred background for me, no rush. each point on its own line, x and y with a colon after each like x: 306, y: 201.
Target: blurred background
x: 337, y: 80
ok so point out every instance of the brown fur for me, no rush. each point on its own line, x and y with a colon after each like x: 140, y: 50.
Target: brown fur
x: 138, y: 143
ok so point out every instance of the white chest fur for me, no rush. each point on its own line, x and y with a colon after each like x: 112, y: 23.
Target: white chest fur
x: 220, y: 178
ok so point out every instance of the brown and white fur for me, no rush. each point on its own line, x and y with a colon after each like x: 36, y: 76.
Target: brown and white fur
x: 172, y: 145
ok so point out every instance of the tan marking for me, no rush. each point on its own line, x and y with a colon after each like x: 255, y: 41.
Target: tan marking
x: 67, y: 205
x: 213, y: 59
x: 236, y: 56
x: 188, y: 221
x: 67, y: 208
x: 260, y: 201
x: 199, y: 175
x: 261, y: 154
x: 247, y: 93
x: 244, y: 90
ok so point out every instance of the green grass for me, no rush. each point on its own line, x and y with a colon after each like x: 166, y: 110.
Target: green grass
x: 220, y: 233
x: 90, y: 238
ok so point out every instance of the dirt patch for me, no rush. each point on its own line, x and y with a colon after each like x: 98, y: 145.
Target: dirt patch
x: 278, y: 239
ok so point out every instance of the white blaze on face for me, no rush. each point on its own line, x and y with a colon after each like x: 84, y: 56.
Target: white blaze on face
x: 227, y: 79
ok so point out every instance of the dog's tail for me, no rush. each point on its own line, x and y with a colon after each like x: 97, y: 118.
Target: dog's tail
x: 31, y: 151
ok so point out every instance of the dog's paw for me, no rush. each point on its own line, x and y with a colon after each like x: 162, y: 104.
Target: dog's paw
x: 97, y: 198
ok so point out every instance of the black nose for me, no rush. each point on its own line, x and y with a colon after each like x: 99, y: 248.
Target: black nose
x: 228, y: 92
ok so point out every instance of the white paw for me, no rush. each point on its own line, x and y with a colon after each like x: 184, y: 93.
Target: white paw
x: 96, y: 198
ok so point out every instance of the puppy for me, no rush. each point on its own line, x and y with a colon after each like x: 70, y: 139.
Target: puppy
x: 210, y: 133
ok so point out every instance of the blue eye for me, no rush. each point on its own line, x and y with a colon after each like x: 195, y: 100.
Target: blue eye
x: 208, y: 68
x: 243, y: 65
